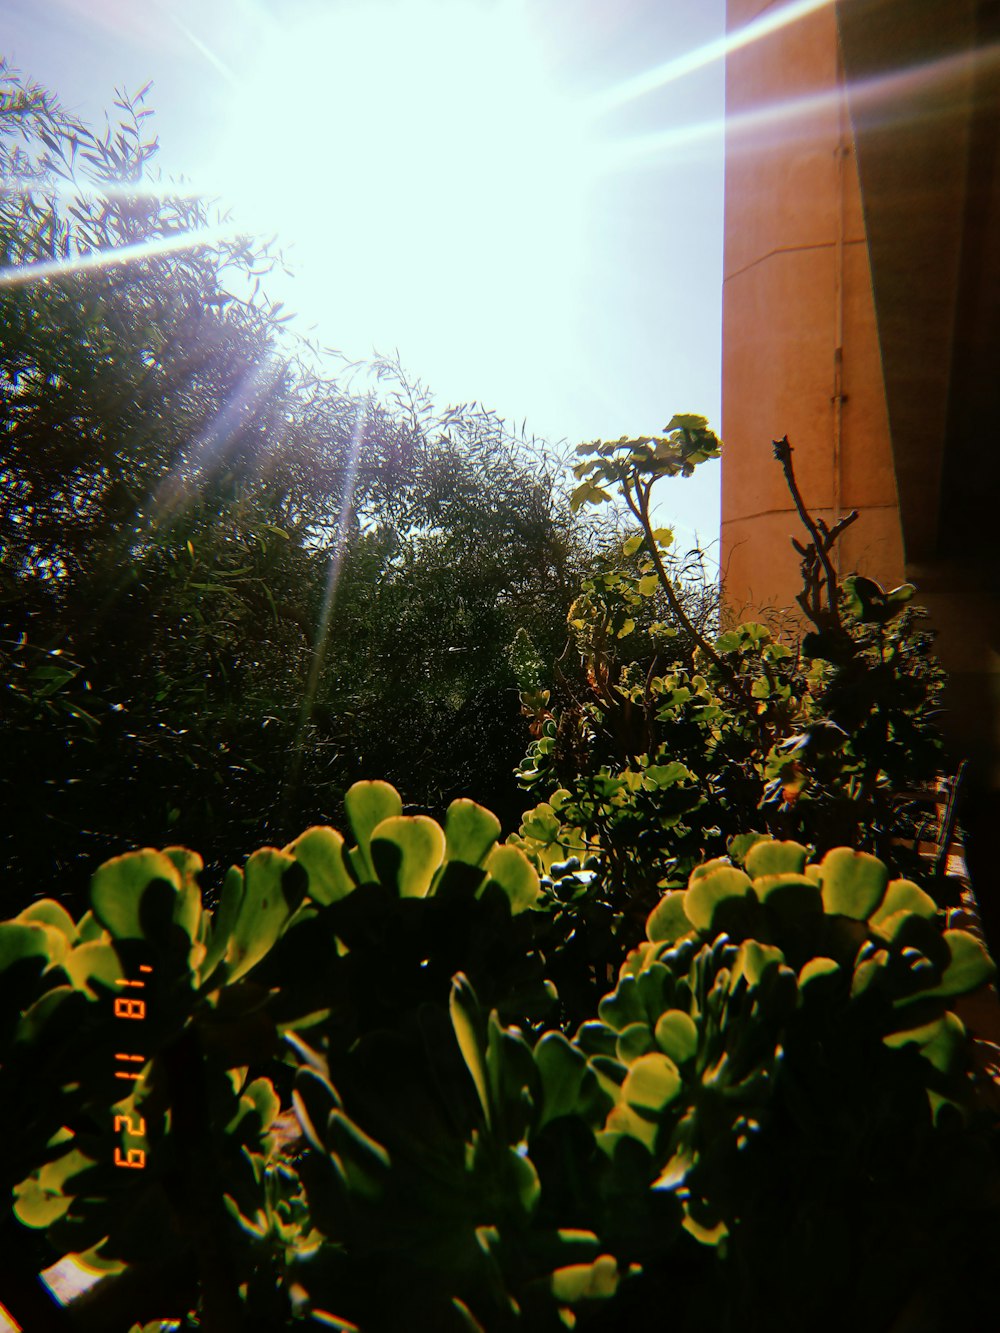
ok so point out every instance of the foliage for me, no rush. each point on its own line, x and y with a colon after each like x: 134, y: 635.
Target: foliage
x: 784, y: 1037
x: 232, y: 584
x: 656, y: 765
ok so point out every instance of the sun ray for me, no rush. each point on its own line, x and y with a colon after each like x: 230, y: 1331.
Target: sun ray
x: 884, y: 99
x: 215, y: 441
x: 703, y: 56
x: 334, y: 568
x: 19, y: 275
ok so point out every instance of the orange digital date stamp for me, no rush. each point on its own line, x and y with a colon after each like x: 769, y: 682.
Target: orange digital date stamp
x: 130, y: 1009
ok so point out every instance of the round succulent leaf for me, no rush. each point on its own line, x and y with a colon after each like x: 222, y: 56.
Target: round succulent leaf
x: 95, y: 961
x: 47, y: 912
x: 527, y: 1186
x: 903, y: 895
x: 970, y: 967
x: 596, y: 1038
x: 789, y: 895
x: 815, y: 970
x: 853, y: 883
x: 771, y: 857
x: 562, y: 1068
x: 623, y: 1006
x: 364, y: 1161
x: 223, y: 919
x: 44, y: 1196
x: 625, y: 1121
x: 706, y: 1232
x: 578, y: 1282
x: 90, y: 928
x: 677, y: 1035
x: 20, y: 940
x: 273, y: 886
x: 908, y: 931
x: 947, y: 1048
x: 470, y: 831
x: 406, y: 851
x: 119, y: 887
x: 320, y: 850
x: 919, y: 1034
x: 367, y: 804
x: 753, y: 960
x: 509, y: 868
x: 467, y: 1023
x: 707, y: 894
x: 740, y: 844
x: 656, y: 990
x: 633, y: 1041
x: 668, y: 920
x: 652, y: 1082
x: 709, y: 868
x: 189, y: 864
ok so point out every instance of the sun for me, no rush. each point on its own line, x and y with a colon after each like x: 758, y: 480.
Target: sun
x: 407, y: 151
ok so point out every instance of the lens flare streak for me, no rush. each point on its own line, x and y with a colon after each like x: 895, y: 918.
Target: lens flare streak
x: 19, y: 275
x: 333, y: 573
x: 884, y: 100
x: 718, y: 49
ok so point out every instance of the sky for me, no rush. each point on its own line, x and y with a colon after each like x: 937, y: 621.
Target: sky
x: 487, y: 187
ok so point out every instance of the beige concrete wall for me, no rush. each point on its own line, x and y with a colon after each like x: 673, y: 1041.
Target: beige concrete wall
x: 800, y: 343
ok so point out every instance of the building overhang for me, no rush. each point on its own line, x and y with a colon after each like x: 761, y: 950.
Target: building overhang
x: 923, y: 81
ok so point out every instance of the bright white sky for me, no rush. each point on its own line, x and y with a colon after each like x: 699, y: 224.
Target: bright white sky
x: 484, y: 185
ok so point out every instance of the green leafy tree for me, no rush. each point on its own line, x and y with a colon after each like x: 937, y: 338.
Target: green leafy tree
x: 232, y: 583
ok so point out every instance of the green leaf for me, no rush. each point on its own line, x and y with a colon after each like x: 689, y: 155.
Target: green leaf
x: 364, y: 1161
x: 647, y: 585
x: 633, y: 1041
x: 739, y: 845
x: 367, y: 804
x: 665, y: 775
x: 947, y: 1048
x: 43, y: 1198
x: 815, y: 970
x: 753, y: 960
x: 320, y: 850
x: 709, y: 892
x: 789, y: 895
x: 668, y: 920
x: 470, y: 831
x: 527, y: 1185
x: 970, y: 967
x: 677, y: 1036
x: 633, y: 544
x: 30, y: 941
x: 578, y: 1282
x: 406, y: 851
x: 48, y: 912
x: 120, y: 886
x: 563, y: 1068
x: 775, y: 858
x: 274, y: 885
x: 513, y: 872
x: 903, y: 895
x: 652, y: 1082
x: 853, y: 883
x: 467, y: 1022
x: 93, y: 961
x: 587, y: 493
x: 223, y: 921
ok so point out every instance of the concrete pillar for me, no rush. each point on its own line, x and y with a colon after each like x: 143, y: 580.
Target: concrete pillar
x: 800, y: 342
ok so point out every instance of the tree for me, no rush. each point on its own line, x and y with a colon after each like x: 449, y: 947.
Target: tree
x: 232, y: 582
